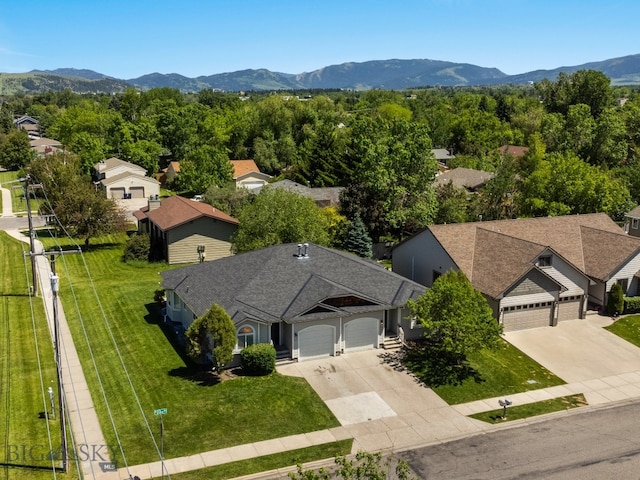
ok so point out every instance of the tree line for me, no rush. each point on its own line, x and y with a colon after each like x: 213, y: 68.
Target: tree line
x: 582, y: 136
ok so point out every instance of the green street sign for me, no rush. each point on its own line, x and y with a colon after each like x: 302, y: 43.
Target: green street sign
x: 160, y: 411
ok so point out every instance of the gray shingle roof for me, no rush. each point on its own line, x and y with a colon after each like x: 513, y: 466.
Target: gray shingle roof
x: 464, y: 178
x: 273, y: 284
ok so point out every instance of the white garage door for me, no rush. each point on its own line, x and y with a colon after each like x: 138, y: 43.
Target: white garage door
x: 361, y: 333
x: 316, y: 341
x: 117, y: 192
x: 137, y: 192
x: 568, y: 310
x: 526, y: 318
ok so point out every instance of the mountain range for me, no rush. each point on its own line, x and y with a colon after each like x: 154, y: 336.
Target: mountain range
x: 383, y: 74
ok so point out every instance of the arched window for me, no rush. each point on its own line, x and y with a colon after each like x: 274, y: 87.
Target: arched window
x: 245, y: 336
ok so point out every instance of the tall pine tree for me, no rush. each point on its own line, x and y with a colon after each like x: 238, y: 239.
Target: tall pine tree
x: 357, y: 240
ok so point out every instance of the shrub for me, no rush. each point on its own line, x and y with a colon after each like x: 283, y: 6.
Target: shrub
x: 631, y: 304
x: 615, y: 303
x: 137, y: 248
x: 259, y: 359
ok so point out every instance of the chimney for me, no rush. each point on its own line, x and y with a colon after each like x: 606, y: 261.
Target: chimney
x: 154, y: 202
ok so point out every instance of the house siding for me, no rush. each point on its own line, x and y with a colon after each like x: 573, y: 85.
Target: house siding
x: 626, y: 272
x: 420, y: 257
x: 183, y: 240
x: 151, y: 187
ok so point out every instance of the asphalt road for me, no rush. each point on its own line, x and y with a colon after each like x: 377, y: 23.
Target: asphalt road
x: 600, y: 444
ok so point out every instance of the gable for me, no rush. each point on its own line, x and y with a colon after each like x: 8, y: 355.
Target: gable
x: 532, y: 283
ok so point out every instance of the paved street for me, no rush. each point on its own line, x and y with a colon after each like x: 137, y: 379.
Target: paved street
x: 579, y: 446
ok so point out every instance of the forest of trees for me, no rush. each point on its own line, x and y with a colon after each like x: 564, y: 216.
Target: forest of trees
x: 583, y: 137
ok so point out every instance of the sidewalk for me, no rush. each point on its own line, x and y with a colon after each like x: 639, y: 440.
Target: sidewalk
x: 83, y: 417
x: 7, y: 206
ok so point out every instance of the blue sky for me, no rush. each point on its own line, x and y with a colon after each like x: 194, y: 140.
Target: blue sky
x: 127, y: 39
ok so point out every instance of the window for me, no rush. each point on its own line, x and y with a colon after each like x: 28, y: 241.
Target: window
x: 624, y: 283
x: 436, y: 274
x: 634, y: 223
x: 544, y: 261
x: 245, y: 336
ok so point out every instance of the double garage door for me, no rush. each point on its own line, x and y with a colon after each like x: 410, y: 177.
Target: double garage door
x: 540, y: 317
x: 527, y: 318
x: 320, y: 340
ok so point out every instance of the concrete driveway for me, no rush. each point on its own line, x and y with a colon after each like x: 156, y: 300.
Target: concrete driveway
x: 578, y: 350
x: 380, y: 405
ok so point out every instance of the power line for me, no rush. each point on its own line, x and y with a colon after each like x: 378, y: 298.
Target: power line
x: 35, y: 338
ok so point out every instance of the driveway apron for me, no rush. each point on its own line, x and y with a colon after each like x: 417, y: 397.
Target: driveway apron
x: 381, y: 405
x: 578, y: 350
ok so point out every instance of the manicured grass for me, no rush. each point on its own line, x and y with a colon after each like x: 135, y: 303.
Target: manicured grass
x: 269, y: 462
x: 23, y: 399
x: 202, y: 413
x: 490, y: 374
x: 516, y: 412
x: 627, y: 328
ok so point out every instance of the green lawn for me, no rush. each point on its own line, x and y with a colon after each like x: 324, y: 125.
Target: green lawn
x: 627, y: 328
x: 488, y: 374
x: 22, y: 407
x: 269, y: 462
x: 202, y: 414
x: 516, y: 412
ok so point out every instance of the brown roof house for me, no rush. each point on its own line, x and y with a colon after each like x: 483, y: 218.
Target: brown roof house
x: 124, y: 180
x: 533, y: 271
x: 306, y: 300
x: 466, y: 178
x: 246, y: 174
x: 45, y: 146
x: 185, y: 231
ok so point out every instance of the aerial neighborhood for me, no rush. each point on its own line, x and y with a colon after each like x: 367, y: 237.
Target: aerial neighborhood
x: 324, y: 275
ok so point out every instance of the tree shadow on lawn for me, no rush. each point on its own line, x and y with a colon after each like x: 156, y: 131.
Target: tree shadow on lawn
x: 436, y: 367
x: 174, y: 334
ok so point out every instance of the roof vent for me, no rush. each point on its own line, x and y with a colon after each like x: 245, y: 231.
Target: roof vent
x: 303, y: 250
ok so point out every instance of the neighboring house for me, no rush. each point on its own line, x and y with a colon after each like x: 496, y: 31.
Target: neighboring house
x: 513, y: 150
x: 28, y: 124
x: 44, y: 146
x: 323, y: 196
x: 124, y: 180
x: 246, y: 174
x: 533, y: 271
x: 309, y: 300
x: 169, y: 174
x: 443, y: 156
x: 632, y: 222
x: 466, y: 178
x: 184, y: 231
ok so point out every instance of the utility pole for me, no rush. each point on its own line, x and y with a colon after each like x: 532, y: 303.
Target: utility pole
x: 55, y: 287
x: 34, y: 275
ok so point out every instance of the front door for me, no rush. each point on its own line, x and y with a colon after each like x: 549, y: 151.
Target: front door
x: 275, y: 333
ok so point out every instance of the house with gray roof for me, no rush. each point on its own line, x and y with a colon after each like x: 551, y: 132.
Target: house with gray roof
x: 466, y: 178
x: 322, y: 196
x: 308, y: 300
x: 533, y: 271
x: 632, y: 222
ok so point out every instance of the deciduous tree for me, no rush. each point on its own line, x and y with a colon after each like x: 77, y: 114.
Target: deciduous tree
x: 456, y: 317
x: 278, y: 216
